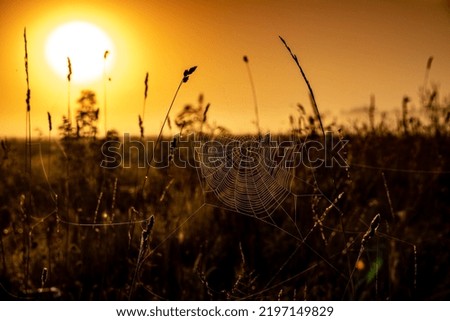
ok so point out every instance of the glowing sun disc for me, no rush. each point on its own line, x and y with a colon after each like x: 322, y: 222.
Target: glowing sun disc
x: 85, y: 45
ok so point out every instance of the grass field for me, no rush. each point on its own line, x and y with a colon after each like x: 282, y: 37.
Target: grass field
x: 90, y: 218
x: 74, y: 230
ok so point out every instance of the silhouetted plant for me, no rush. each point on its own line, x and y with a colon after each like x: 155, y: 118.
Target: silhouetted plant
x: 192, y: 118
x: 87, y: 115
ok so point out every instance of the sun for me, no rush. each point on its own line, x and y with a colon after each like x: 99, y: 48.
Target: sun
x: 89, y: 49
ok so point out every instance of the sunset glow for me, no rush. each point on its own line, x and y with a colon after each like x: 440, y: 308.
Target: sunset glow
x: 88, y: 48
x: 350, y: 51
x: 233, y: 150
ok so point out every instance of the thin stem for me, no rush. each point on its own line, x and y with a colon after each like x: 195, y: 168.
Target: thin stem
x: 104, y: 98
x: 158, y: 140
x: 69, y: 75
x: 49, y: 150
x: 388, y: 195
x: 254, y: 95
x: 313, y: 99
x: 27, y: 211
x: 104, y: 87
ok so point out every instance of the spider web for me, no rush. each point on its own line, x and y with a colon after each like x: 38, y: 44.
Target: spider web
x: 250, y: 175
x: 244, y: 176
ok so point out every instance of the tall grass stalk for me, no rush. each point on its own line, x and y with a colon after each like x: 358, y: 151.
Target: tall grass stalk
x: 50, y: 127
x: 319, y: 118
x: 185, y: 79
x: 69, y: 77
x: 205, y: 115
x: 332, y: 169
x: 388, y: 196
x: 28, y: 114
x: 427, y: 71
x: 372, y: 113
x: 145, y: 101
x: 252, y: 84
x: 113, y: 202
x: 370, y: 233
x: 99, y: 200
x: 146, y: 232
x: 313, y: 99
x: 141, y: 127
x: 405, y: 114
x: 27, y: 209
x: 105, y: 55
x: 67, y: 182
x: 54, y: 196
x: 141, y: 118
x: 143, y: 248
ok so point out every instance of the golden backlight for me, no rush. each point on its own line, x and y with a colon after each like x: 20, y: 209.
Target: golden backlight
x: 88, y: 47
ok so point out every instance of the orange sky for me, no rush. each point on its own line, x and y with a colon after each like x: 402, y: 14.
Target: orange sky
x: 348, y: 49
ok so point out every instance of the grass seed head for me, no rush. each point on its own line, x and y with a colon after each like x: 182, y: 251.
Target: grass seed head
x: 188, y: 72
x: 49, y: 116
x: 69, y: 68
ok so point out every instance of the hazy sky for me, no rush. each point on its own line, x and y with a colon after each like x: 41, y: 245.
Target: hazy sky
x: 348, y: 49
